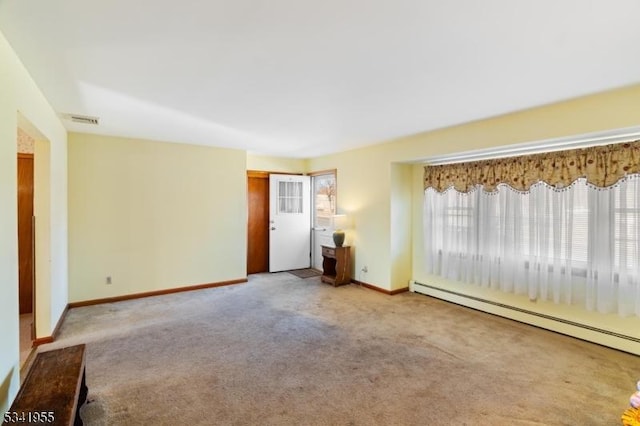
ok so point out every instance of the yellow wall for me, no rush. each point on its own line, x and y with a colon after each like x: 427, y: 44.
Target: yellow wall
x: 609, y: 110
x: 276, y: 164
x: 153, y: 215
x: 364, y: 184
x: 21, y: 97
x: 42, y: 212
x: 400, y: 226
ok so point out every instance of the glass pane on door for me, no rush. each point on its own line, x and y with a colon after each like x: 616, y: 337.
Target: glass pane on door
x: 324, y: 193
x: 290, y: 197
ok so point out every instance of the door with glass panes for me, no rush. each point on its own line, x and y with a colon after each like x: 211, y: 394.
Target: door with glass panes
x: 289, y: 222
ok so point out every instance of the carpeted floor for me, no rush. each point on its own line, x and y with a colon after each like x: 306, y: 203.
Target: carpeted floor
x: 281, y: 350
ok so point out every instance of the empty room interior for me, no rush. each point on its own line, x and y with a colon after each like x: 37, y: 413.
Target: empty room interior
x: 176, y: 179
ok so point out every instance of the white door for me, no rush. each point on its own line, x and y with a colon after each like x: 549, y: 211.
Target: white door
x: 289, y: 222
x: 324, y: 207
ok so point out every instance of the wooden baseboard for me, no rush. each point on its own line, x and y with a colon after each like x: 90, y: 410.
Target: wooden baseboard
x: 381, y: 290
x: 56, y: 330
x: 154, y: 293
x: 42, y: 341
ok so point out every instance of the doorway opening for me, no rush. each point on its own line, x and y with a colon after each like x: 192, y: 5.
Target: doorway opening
x: 33, y: 232
x: 279, y: 227
x: 26, y: 242
x: 289, y: 222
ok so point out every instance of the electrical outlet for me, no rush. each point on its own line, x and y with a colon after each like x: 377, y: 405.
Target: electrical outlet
x: 365, y: 269
x: 108, y: 280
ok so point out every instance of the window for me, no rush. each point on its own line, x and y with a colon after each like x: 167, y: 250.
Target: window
x: 627, y: 229
x: 578, y: 245
x: 289, y: 197
x: 324, y: 191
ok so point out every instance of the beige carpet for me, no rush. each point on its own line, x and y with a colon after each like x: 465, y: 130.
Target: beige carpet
x: 281, y: 350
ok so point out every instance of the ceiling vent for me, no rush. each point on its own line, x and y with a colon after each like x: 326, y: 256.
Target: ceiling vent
x: 84, y: 119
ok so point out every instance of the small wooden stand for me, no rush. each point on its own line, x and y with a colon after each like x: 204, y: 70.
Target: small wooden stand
x: 336, y: 265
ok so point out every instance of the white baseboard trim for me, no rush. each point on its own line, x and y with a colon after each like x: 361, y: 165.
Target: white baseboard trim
x: 571, y: 328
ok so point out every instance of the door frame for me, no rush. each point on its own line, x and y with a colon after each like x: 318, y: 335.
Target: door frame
x: 289, y: 222
x: 42, y: 330
x: 315, y: 247
x: 262, y: 174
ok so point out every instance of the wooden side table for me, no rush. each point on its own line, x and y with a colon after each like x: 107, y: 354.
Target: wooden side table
x: 336, y: 265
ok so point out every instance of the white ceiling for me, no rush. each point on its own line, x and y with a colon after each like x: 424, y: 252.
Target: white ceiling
x: 303, y: 78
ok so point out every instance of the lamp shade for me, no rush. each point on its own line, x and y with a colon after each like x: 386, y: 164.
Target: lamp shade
x: 340, y: 221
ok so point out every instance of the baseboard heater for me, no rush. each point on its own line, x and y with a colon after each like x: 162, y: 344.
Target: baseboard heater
x: 429, y: 290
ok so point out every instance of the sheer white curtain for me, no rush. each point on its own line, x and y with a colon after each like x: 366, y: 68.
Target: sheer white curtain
x: 575, y: 245
x: 290, y: 197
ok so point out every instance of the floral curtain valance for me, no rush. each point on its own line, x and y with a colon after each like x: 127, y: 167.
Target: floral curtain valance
x: 600, y: 165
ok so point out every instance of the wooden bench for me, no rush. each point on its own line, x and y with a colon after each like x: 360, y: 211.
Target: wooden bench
x: 54, y: 389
